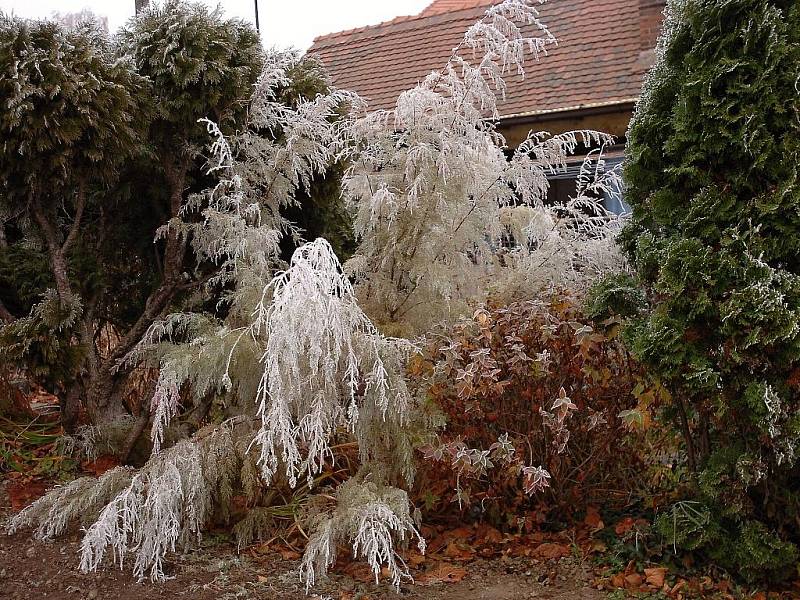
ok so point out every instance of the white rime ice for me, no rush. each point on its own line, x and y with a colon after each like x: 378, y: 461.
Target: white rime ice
x: 325, y: 366
x: 433, y: 190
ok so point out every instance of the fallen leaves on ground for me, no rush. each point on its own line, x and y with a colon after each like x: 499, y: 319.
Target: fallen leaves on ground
x: 22, y: 493
x: 593, y: 520
x: 100, y: 465
x: 551, y: 550
x: 654, y: 576
x: 441, y: 573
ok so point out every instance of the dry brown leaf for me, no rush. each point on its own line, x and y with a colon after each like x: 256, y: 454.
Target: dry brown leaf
x: 551, y: 550
x: 487, y: 534
x: 288, y: 553
x: 655, y: 576
x: 23, y: 493
x: 460, y: 533
x: 677, y: 587
x: 437, y: 544
x: 596, y: 546
x: 441, y: 573
x: 624, y: 526
x: 459, y: 551
x: 414, y: 558
x: 634, y: 580
x: 359, y: 571
x: 593, y: 520
x: 618, y: 580
x: 101, y: 465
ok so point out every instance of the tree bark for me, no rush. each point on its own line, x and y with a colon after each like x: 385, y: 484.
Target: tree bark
x: 70, y: 406
x: 5, y: 315
x: 102, y: 394
x: 57, y: 250
x: 687, y: 436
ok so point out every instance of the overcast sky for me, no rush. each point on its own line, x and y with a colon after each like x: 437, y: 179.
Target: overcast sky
x: 283, y: 22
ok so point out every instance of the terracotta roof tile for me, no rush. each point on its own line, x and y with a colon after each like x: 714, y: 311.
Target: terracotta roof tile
x: 443, y: 6
x: 597, y: 60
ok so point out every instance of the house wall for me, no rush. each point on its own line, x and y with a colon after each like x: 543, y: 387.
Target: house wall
x: 614, y: 122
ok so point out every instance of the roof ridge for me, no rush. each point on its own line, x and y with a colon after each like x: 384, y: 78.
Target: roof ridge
x: 441, y: 17
x: 438, y: 7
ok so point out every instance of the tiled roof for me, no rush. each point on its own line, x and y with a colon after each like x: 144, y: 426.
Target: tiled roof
x: 597, y: 61
x: 444, y: 6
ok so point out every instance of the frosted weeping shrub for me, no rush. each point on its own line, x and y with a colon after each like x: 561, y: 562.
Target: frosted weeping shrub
x: 325, y: 367
x: 76, y: 501
x: 236, y: 227
x: 429, y: 183
x: 155, y: 510
x: 260, y: 171
x: 371, y: 517
x: 165, y: 505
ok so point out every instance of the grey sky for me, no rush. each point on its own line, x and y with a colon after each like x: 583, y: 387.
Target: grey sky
x: 283, y: 22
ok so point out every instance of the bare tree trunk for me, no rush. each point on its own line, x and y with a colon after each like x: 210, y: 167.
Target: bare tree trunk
x: 141, y: 5
x: 5, y: 315
x: 103, y: 401
x: 102, y: 390
x: 70, y: 405
x: 687, y: 436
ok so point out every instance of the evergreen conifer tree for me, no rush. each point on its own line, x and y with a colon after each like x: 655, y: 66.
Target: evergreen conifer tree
x: 712, y: 176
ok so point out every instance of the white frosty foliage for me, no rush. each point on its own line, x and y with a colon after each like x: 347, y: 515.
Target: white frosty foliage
x: 429, y: 182
x: 535, y: 479
x: 159, y: 509
x: 370, y: 517
x: 325, y: 366
x: 77, y: 500
x: 432, y: 193
x: 165, y: 506
x: 260, y: 171
x: 774, y: 422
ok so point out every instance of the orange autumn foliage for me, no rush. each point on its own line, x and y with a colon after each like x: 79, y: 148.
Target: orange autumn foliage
x: 500, y: 373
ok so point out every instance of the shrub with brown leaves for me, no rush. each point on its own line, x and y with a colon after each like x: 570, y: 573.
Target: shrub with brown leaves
x: 533, y: 383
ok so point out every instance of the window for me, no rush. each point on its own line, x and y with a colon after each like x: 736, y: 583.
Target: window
x: 563, y: 184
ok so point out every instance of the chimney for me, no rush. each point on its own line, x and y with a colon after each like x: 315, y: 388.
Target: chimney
x: 651, y: 15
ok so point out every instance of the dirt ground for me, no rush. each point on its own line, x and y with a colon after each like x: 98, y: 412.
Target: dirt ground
x: 31, y: 570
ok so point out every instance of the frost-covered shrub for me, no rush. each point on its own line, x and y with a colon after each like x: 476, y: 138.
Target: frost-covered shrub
x: 155, y: 510
x: 712, y: 176
x: 236, y: 227
x: 80, y: 500
x: 433, y: 190
x: 326, y: 367
x: 372, y: 518
x: 533, y: 383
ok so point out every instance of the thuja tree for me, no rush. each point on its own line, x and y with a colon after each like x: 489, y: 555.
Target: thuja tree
x: 712, y: 175
x: 70, y: 119
x: 103, y: 147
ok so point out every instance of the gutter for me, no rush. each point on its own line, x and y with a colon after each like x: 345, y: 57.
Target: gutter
x: 581, y: 110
